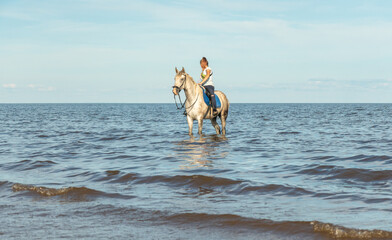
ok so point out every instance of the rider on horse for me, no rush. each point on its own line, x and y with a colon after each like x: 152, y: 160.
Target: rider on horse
x: 207, y: 83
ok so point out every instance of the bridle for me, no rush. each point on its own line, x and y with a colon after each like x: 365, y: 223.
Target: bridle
x: 179, y: 97
x: 182, y: 105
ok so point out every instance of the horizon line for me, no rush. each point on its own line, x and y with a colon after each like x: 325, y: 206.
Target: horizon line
x: 174, y: 103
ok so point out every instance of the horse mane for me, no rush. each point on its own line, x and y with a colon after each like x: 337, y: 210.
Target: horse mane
x: 190, y: 77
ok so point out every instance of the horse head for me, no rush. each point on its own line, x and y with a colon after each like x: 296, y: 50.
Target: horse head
x: 179, y: 81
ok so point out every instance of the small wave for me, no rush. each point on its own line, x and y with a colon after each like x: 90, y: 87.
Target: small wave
x: 379, y: 200
x: 112, y: 138
x: 124, y: 178
x: 210, y: 184
x: 231, y: 220
x: 204, y: 183
x: 43, y: 136
x: 76, y: 193
x: 290, y: 227
x: 363, y: 175
x: 122, y: 157
x: 44, y: 191
x: 374, y: 158
x: 112, y: 172
x: 277, y: 189
x: 334, y: 172
x: 356, y: 158
x: 336, y: 231
x: 288, y: 133
x: 323, y: 157
x: 3, y: 183
x: 190, y: 180
x: 27, y: 164
x: 37, y: 164
x: 351, y: 114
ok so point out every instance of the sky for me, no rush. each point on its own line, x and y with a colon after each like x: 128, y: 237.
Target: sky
x: 267, y: 51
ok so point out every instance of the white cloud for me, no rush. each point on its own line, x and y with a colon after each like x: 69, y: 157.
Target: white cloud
x: 41, y: 87
x: 366, y: 84
x: 15, y: 15
x: 9, y: 85
x: 46, y: 89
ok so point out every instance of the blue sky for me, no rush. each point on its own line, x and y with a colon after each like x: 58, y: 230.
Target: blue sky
x: 260, y: 51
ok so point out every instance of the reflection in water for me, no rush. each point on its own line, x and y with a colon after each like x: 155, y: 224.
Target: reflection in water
x: 201, y: 151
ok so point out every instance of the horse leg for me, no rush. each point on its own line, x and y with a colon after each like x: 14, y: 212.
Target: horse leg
x: 190, y: 125
x: 215, y: 125
x: 223, y: 117
x: 200, y: 122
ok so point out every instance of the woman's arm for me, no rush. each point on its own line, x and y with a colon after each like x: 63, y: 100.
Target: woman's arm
x: 206, y: 77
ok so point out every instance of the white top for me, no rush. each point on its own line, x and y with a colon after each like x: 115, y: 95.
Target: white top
x: 209, y: 81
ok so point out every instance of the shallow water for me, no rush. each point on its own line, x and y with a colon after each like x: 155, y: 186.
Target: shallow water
x: 283, y: 171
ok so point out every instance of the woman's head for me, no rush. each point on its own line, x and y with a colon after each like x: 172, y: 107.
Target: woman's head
x: 204, y: 62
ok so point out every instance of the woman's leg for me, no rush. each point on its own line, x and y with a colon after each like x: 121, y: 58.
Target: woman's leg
x: 210, y: 90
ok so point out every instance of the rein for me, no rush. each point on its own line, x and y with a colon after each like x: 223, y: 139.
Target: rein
x: 179, y: 98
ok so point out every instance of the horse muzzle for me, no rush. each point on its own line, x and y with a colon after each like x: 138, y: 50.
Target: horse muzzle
x: 176, y: 90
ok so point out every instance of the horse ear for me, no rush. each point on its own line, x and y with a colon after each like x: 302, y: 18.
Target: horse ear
x: 183, y: 70
x: 176, y: 70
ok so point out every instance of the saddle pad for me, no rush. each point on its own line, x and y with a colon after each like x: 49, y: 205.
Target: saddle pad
x: 207, y: 100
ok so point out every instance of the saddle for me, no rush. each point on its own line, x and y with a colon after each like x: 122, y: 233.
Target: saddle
x: 207, y: 97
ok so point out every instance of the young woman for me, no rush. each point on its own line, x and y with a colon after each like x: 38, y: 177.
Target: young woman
x: 206, y: 81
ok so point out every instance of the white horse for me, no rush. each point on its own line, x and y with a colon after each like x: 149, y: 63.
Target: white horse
x: 195, y: 107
